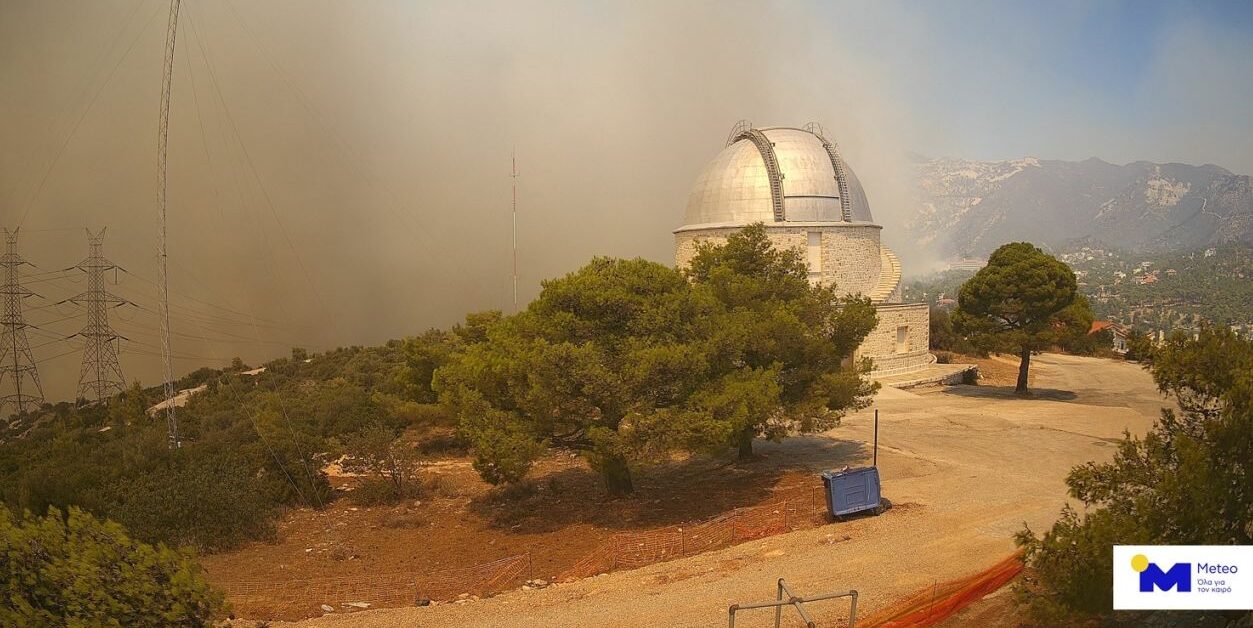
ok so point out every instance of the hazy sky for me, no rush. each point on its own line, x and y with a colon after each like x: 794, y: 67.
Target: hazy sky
x: 339, y: 171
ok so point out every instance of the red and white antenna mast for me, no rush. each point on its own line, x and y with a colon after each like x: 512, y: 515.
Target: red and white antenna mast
x: 514, y: 175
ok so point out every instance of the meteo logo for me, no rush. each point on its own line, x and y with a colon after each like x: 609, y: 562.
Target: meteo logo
x: 1183, y: 577
x: 1177, y: 577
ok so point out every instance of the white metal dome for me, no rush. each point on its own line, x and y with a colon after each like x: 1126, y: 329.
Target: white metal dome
x: 775, y: 175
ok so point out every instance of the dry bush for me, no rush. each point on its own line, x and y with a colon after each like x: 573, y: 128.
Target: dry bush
x: 404, y: 520
x: 516, y: 491
x: 378, y: 492
x: 442, y: 485
x: 342, y: 552
x: 442, y: 442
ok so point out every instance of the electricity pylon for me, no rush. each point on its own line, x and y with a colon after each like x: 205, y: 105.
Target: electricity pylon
x: 15, y: 357
x: 101, y: 375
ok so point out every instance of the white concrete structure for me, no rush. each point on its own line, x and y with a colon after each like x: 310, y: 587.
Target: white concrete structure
x: 795, y: 183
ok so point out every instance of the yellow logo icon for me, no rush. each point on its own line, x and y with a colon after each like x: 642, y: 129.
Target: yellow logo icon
x: 1139, y: 562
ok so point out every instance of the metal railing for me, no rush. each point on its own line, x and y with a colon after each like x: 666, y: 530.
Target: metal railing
x: 797, y: 602
x: 841, y: 179
x: 744, y: 131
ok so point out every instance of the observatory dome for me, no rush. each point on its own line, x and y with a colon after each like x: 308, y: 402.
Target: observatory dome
x: 810, y: 203
x: 776, y: 175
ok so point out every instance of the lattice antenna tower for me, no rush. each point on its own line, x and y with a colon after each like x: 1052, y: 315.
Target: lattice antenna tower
x: 16, y: 361
x: 101, y: 375
x: 163, y: 294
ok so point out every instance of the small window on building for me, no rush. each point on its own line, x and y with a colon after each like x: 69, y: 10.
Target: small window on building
x: 814, y: 256
x: 902, y: 339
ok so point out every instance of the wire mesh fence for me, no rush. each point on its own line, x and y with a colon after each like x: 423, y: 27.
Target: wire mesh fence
x: 298, y: 598
x: 798, y: 508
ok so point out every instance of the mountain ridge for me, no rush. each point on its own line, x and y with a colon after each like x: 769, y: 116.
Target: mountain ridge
x: 966, y: 208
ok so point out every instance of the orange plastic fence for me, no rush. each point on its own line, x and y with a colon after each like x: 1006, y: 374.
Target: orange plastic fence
x: 934, y: 604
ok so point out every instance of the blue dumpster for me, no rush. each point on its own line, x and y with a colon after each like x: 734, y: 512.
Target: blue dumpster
x: 852, y: 491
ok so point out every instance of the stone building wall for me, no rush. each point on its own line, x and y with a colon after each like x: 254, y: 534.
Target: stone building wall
x: 850, y: 257
x: 895, y: 350
x: 850, y: 252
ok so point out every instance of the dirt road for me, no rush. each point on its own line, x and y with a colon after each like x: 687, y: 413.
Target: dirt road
x: 964, y: 467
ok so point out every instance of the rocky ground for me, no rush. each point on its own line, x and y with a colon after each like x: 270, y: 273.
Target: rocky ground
x: 964, y: 467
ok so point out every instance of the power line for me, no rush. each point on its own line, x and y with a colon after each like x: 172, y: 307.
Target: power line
x: 193, y: 299
x: 265, y: 193
x: 15, y: 355
x: 68, y: 138
x: 59, y: 355
x: 219, y: 340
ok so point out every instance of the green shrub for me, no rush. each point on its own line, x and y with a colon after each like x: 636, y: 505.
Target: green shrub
x: 1072, y: 562
x: 210, y: 502
x: 77, y: 570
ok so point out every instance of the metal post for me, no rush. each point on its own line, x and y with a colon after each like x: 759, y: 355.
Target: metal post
x: 852, y: 610
x: 785, y: 597
x: 934, y: 585
x: 875, y: 459
x: 778, y: 610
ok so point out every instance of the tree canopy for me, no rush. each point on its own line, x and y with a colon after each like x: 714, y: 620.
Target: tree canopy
x: 776, y: 318
x: 1023, y: 301
x: 626, y: 360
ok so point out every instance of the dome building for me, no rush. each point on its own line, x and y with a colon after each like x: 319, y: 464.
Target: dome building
x: 795, y: 183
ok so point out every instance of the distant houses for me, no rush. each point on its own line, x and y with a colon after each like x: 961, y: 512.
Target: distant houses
x: 968, y: 264
x: 1117, y: 332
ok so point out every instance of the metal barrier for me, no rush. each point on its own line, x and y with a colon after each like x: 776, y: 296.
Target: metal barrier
x: 796, y: 602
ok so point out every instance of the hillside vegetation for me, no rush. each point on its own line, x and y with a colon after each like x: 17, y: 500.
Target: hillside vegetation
x: 621, y: 362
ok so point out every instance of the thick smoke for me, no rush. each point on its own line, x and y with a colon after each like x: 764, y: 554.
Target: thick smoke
x: 358, y: 189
